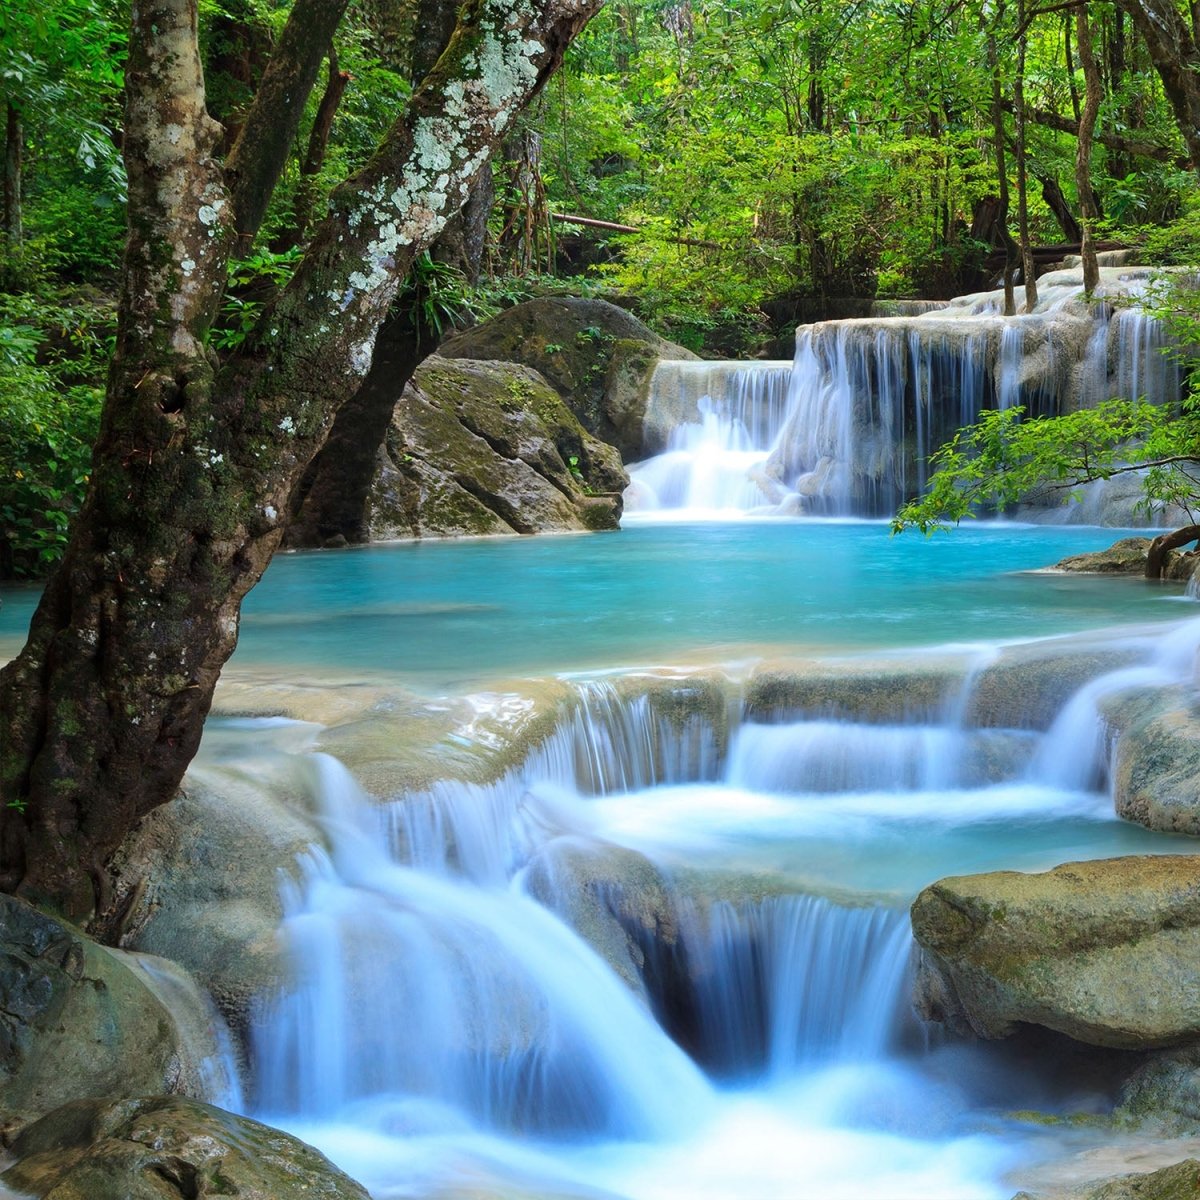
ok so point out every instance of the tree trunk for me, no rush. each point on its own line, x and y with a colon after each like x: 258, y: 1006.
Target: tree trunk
x: 14, y: 147
x: 1056, y: 202
x: 314, y: 158
x: 1083, y: 148
x: 194, y: 468
x: 1027, y: 269
x: 332, y: 498
x: 1172, y: 43
x: 1156, y: 558
x: 1010, y: 246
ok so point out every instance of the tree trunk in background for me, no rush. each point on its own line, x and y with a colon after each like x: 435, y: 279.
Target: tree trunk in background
x: 194, y: 467
x: 1083, y: 148
x: 1027, y: 269
x: 314, y: 159
x: 14, y: 148
x: 332, y: 498
x: 1172, y: 43
x: 1010, y: 246
x: 1056, y: 202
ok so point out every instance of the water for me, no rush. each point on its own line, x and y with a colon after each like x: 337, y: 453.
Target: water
x: 656, y: 962
x: 456, y: 614
x: 866, y: 402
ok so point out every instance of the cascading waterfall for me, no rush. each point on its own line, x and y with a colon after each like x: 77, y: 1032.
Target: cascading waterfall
x: 458, y: 1011
x: 849, y: 429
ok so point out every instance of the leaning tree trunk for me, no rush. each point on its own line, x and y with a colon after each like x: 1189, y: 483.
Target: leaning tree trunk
x: 1027, y: 267
x: 1161, y: 546
x: 195, y: 467
x: 14, y: 147
x: 1083, y: 148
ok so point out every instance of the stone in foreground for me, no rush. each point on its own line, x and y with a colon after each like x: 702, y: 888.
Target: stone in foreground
x: 1107, y: 952
x: 165, y: 1147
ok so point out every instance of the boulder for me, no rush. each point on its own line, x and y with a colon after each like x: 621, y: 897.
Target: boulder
x: 78, y: 1019
x: 1107, y: 952
x: 1181, y: 1181
x: 489, y: 448
x: 166, y: 1148
x: 198, y: 881
x: 1156, y: 759
x: 598, y: 357
x: 1128, y: 557
x: 1164, y: 1093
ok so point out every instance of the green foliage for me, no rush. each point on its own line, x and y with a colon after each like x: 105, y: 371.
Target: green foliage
x: 51, y: 371
x: 1004, y: 460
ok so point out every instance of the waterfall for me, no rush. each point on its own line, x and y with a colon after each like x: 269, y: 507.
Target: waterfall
x: 791, y: 981
x: 848, y: 429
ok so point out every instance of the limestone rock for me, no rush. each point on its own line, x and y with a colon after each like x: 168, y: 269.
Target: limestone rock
x: 488, y: 448
x: 1124, y: 557
x: 163, y: 1148
x: 77, y: 1019
x: 1156, y: 762
x: 598, y: 357
x: 1181, y: 1181
x: 1106, y: 952
x: 614, y: 898
x: 1164, y: 1092
x: 200, y: 877
x: 1128, y: 557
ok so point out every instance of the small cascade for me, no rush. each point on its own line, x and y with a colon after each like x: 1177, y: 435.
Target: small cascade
x: 788, y: 982
x: 849, y: 429
x: 724, y: 419
x: 419, y: 989
x: 1073, y: 752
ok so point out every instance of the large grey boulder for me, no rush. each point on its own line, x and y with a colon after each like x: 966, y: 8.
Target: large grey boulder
x: 199, y: 879
x: 1156, y: 759
x: 598, y: 357
x: 167, y: 1148
x: 489, y: 448
x: 1106, y: 952
x: 78, y: 1019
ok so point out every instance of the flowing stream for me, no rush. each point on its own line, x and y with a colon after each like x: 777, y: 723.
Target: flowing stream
x: 667, y: 954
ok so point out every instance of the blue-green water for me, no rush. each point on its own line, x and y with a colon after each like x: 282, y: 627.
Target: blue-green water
x: 453, y: 613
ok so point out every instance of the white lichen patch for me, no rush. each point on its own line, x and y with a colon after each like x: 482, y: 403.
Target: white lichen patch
x: 287, y: 425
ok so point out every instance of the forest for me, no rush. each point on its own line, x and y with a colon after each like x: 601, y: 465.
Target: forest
x: 356, y: 842
x: 742, y: 168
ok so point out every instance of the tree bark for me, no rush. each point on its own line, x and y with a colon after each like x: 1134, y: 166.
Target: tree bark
x: 998, y: 140
x: 1056, y: 202
x: 14, y: 149
x: 1083, y: 148
x: 1027, y: 269
x: 260, y: 152
x: 1156, y: 558
x: 194, y: 468
x: 1172, y: 43
x: 314, y: 158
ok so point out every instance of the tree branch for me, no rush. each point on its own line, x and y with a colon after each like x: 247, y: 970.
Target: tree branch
x: 258, y: 156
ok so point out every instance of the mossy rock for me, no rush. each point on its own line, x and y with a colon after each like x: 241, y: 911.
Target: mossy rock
x: 1107, y: 952
x: 481, y: 448
x: 163, y: 1148
x: 78, y: 1019
x: 595, y: 355
x: 1156, y: 760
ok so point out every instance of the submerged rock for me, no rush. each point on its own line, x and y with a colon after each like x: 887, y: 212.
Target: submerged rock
x: 487, y: 448
x: 598, y: 357
x: 161, y: 1148
x: 78, y: 1019
x: 1107, y: 952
